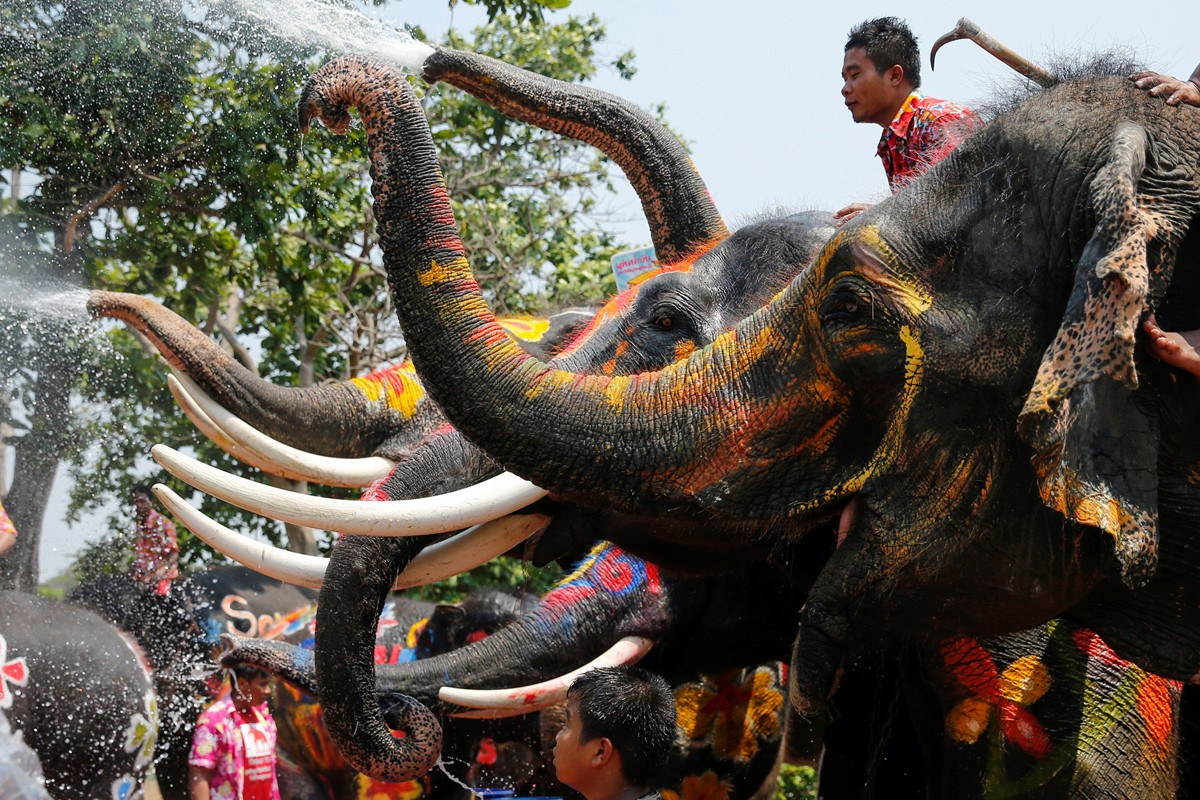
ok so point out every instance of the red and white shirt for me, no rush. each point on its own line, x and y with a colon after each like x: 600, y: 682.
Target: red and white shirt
x: 924, y: 131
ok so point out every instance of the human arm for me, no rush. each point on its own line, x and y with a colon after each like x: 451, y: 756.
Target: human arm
x: 7, y: 540
x: 199, y: 779
x: 1175, y: 90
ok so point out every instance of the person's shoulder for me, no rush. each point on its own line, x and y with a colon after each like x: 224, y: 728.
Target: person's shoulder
x: 216, y: 712
x: 937, y: 108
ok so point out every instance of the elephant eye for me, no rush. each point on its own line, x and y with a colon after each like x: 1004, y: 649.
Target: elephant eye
x: 843, y: 305
x: 664, y: 322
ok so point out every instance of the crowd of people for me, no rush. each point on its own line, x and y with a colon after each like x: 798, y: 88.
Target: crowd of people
x: 619, y: 725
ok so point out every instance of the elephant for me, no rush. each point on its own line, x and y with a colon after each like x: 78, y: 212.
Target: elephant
x: 337, y: 651
x: 80, y: 693
x: 380, y: 417
x: 954, y: 378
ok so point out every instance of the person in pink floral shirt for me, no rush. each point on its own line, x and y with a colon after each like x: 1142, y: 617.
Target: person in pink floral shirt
x: 233, y: 748
x: 881, y: 78
x: 8, y: 531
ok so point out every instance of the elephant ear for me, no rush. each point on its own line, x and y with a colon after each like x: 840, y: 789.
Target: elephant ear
x: 1095, y: 440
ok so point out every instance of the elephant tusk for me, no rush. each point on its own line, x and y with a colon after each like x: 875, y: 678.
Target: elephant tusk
x: 485, y: 501
x: 492, y: 703
x: 202, y: 421
x: 966, y: 29
x: 439, y: 561
x: 270, y: 455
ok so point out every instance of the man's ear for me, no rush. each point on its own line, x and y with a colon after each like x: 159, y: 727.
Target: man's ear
x: 604, y: 752
x: 895, y: 74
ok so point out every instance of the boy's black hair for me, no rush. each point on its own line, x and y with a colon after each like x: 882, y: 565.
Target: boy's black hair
x: 143, y: 489
x: 888, y: 41
x: 635, y: 710
x: 248, y: 672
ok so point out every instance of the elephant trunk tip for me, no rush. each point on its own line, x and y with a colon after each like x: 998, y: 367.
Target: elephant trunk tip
x: 337, y: 85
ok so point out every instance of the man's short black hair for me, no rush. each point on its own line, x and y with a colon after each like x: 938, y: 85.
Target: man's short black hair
x: 142, y: 489
x: 888, y: 41
x: 635, y: 710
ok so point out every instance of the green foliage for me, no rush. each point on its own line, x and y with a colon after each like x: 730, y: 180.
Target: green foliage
x: 166, y: 157
x: 796, y: 783
x: 502, y: 571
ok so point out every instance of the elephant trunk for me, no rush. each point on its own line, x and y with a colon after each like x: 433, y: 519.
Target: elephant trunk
x: 643, y: 442
x: 684, y: 222
x: 348, y: 419
x: 357, y: 581
x: 610, y: 595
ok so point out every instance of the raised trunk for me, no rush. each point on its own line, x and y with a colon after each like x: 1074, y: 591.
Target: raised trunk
x: 683, y: 221
x: 348, y: 419
x: 646, y: 442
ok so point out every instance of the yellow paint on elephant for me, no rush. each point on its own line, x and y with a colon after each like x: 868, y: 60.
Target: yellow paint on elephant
x: 414, y: 632
x: 913, y: 298
x: 440, y: 273
x: 527, y: 330
x: 707, y: 786
x: 683, y: 350
x: 398, y: 387
x: 586, y: 564
x: 889, y: 446
x: 733, y: 712
x: 1025, y: 680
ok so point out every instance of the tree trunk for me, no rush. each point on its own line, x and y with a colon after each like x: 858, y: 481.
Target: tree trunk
x: 36, y: 463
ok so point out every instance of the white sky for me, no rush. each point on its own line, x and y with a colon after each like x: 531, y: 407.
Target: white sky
x: 754, y: 87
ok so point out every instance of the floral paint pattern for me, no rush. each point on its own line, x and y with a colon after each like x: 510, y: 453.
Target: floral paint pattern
x: 13, y: 672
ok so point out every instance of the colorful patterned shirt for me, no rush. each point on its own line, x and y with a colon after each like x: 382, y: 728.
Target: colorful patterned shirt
x: 219, y: 744
x: 156, y: 551
x: 924, y: 132
x: 6, y: 524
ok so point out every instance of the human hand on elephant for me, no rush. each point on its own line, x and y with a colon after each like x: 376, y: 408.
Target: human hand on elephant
x: 850, y: 212
x: 1175, y: 90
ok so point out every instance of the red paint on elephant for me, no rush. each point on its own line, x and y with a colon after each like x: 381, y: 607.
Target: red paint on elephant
x: 14, y: 672
x: 995, y: 695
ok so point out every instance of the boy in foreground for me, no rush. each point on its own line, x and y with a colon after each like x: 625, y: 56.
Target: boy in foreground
x: 618, y: 733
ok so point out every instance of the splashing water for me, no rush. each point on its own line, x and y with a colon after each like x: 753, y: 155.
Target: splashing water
x: 335, y: 28
x: 47, y: 299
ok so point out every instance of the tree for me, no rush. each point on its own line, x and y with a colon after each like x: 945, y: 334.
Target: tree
x: 149, y: 151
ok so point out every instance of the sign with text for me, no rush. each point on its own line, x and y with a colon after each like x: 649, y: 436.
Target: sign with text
x: 631, y: 263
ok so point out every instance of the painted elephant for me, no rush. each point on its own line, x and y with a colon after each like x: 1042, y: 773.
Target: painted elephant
x: 954, y: 379
x: 80, y: 693
x: 393, y: 573
x: 366, y: 422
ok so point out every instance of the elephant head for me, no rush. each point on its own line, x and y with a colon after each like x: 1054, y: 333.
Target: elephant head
x: 365, y: 423
x: 945, y: 378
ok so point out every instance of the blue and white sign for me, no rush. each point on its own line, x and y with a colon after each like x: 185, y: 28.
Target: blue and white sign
x: 631, y: 263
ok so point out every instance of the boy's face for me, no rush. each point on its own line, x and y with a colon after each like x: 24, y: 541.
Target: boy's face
x: 572, y: 756
x: 256, y: 689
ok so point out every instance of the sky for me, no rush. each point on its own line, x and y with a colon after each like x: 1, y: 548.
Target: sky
x: 754, y: 87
